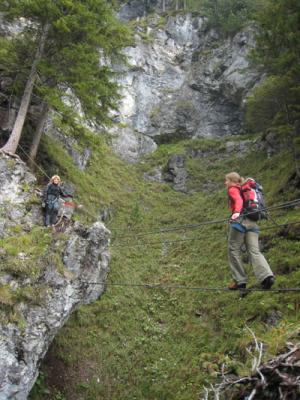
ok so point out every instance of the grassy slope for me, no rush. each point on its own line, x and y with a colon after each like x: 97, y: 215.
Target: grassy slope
x: 142, y: 343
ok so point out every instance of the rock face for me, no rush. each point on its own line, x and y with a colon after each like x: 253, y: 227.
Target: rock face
x: 72, y: 272
x: 139, y: 8
x: 183, y: 82
x: 176, y: 172
x: 15, y: 179
x: 80, y: 156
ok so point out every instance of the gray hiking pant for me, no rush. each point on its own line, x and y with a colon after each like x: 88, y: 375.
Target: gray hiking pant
x: 249, y: 235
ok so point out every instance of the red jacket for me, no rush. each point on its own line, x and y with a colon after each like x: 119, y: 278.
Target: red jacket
x: 235, y: 199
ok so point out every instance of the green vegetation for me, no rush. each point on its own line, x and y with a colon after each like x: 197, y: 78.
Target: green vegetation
x: 65, y: 41
x: 275, y: 103
x: 147, y: 343
x: 229, y: 16
x: 269, y: 104
x: 23, y: 252
x: 107, y: 181
x: 25, y: 256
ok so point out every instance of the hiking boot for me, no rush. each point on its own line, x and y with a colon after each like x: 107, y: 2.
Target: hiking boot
x: 236, y: 286
x: 268, y: 282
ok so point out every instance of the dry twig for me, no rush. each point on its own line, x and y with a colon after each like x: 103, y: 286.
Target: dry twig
x: 280, y: 376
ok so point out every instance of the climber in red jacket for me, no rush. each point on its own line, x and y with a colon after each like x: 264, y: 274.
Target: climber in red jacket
x: 241, y: 230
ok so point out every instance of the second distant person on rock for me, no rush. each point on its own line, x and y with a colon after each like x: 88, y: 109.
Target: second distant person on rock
x: 52, y: 194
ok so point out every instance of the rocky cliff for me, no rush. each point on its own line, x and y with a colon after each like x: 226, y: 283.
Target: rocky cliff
x: 44, y: 276
x: 184, y: 81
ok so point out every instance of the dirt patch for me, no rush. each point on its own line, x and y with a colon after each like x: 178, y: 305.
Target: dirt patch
x: 62, y: 377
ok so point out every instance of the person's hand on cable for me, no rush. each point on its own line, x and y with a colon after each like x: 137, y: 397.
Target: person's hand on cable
x: 235, y: 216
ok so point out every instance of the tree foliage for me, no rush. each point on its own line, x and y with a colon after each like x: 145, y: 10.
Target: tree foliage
x: 276, y: 101
x: 83, y: 39
x: 226, y: 15
x: 229, y: 15
x: 278, y: 44
x: 271, y: 103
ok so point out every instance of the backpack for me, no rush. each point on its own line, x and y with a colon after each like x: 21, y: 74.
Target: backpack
x: 254, y: 205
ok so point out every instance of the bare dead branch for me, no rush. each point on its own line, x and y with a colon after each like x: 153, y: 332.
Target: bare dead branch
x: 281, y: 376
x: 252, y: 394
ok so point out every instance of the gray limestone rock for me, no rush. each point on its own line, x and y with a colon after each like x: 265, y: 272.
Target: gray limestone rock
x: 106, y: 214
x: 238, y: 148
x: 154, y: 176
x: 176, y: 172
x: 185, y: 82
x: 133, y: 9
x: 273, y: 143
x: 79, y: 156
x: 130, y: 145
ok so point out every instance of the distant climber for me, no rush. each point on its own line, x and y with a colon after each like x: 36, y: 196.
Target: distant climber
x: 52, y: 194
x: 244, y: 230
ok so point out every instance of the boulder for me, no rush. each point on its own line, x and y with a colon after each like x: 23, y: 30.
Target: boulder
x: 176, y: 172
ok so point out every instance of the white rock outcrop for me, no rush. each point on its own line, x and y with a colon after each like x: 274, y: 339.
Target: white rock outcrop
x: 183, y: 82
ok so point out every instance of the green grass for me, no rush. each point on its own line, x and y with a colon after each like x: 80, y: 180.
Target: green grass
x: 25, y: 255
x: 142, y: 343
x: 23, y: 252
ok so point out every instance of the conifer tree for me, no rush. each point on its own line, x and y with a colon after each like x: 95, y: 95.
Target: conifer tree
x: 270, y: 103
x: 278, y: 44
x: 228, y: 15
x: 278, y: 53
x: 69, y: 37
x: 12, y: 144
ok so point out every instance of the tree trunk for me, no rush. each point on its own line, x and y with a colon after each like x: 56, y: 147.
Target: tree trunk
x: 38, y: 134
x: 164, y: 5
x: 13, y: 141
x: 177, y: 5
